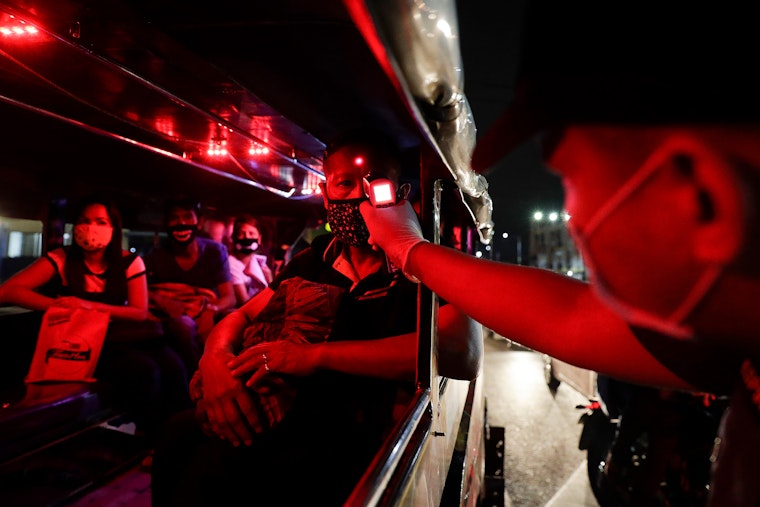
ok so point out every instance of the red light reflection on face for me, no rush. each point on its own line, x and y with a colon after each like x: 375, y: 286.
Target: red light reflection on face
x: 359, y: 161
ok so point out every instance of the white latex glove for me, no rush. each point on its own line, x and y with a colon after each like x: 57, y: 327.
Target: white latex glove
x: 395, y: 230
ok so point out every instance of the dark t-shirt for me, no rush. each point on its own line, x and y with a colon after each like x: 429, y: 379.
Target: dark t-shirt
x: 381, y: 305
x: 211, y: 269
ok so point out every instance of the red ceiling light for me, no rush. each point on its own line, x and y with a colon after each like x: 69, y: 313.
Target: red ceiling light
x: 257, y: 149
x: 217, y: 146
x: 17, y: 28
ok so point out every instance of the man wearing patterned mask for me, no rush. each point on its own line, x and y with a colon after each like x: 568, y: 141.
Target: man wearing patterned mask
x: 347, y: 165
x: 351, y: 379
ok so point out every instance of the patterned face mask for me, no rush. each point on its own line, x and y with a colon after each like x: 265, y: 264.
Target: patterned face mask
x: 92, y: 237
x: 346, y: 222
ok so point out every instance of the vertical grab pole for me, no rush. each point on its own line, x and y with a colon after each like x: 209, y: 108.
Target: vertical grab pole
x: 427, y: 301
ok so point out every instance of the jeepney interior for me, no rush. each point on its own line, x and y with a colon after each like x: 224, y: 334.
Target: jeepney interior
x: 234, y: 103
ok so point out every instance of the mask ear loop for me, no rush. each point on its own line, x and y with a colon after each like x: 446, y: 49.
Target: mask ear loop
x: 698, y: 292
x: 669, y: 148
x: 708, y: 278
x: 636, y: 181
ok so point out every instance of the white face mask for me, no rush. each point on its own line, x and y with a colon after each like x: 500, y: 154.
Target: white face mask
x: 668, y: 321
x: 92, y: 237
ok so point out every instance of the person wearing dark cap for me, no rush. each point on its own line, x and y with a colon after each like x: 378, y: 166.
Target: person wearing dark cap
x: 655, y: 132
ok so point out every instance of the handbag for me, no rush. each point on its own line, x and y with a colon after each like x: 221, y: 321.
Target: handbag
x: 68, y: 345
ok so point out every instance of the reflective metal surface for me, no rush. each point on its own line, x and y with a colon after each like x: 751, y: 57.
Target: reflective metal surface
x: 251, y: 90
x: 420, y: 41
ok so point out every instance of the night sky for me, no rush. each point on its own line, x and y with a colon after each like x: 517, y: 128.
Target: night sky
x: 519, y: 184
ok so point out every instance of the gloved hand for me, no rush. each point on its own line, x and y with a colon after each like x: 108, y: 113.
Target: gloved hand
x: 395, y: 230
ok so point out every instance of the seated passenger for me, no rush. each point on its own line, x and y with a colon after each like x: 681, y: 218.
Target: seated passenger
x: 315, y: 449
x: 148, y: 378
x: 249, y: 270
x: 189, y: 281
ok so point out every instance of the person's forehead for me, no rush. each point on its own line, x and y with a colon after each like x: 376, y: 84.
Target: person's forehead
x: 344, y: 172
x: 95, y: 210
x: 346, y: 163
x: 605, y: 151
x: 248, y: 228
x: 360, y: 161
x: 177, y: 211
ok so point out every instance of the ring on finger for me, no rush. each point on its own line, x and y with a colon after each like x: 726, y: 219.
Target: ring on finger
x: 266, y: 363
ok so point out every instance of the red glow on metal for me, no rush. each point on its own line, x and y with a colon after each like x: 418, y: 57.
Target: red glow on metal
x: 258, y: 150
x: 17, y: 28
x: 217, y: 147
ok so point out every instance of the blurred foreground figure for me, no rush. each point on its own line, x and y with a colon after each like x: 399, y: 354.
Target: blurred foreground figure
x: 651, y: 119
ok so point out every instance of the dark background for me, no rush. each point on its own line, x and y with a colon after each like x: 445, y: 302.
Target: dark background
x: 519, y: 184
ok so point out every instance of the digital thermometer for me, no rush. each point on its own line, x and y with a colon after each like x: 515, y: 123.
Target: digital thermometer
x: 381, y: 192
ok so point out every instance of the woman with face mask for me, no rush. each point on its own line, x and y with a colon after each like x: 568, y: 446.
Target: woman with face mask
x: 148, y: 378
x: 249, y: 270
x: 82, y: 270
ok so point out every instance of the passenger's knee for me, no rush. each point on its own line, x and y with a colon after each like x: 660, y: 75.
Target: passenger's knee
x: 181, y: 327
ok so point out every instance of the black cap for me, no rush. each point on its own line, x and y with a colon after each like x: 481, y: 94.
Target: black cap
x: 629, y: 63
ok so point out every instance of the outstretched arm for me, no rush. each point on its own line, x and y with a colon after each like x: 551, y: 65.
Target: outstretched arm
x: 460, y: 348
x: 540, y: 309
x: 20, y: 288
